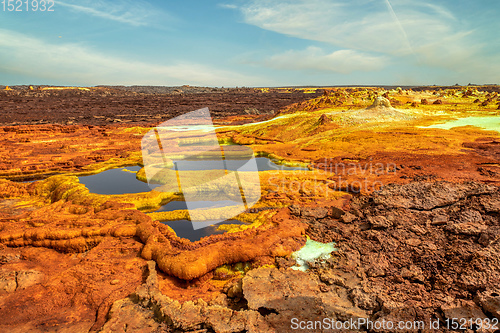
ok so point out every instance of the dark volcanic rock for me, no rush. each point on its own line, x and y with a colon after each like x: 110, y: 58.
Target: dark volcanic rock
x: 316, y: 212
x: 432, y: 249
x: 426, y: 196
x: 414, y: 262
x: 139, y: 104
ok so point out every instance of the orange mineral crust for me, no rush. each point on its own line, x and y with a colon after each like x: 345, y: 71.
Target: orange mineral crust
x: 36, y: 151
x: 72, y: 220
x: 46, y: 290
x: 188, y: 261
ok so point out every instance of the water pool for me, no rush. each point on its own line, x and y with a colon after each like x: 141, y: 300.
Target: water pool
x: 123, y: 180
x: 115, y: 181
x: 184, y: 229
x: 491, y: 123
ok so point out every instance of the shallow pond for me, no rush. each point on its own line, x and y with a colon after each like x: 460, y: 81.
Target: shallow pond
x: 123, y: 180
x: 115, y: 181
x: 180, y: 205
x: 184, y: 229
x: 491, y: 123
x: 263, y: 164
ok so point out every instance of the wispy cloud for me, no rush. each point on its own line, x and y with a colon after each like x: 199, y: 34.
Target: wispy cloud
x: 135, y: 13
x: 77, y: 64
x: 358, y: 24
x: 420, y: 32
x: 227, y: 6
x: 314, y: 58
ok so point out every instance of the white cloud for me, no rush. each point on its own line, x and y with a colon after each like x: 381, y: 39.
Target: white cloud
x: 421, y: 33
x: 135, y: 13
x: 227, y: 6
x: 314, y: 58
x: 358, y: 24
x: 77, y: 64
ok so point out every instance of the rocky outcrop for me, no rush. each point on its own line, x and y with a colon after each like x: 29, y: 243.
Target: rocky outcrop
x: 400, y: 259
x: 148, y: 310
x: 380, y: 102
x: 423, y: 251
x: 428, y: 196
x: 273, y: 297
x: 407, y: 268
x: 281, y: 295
x: 324, y: 119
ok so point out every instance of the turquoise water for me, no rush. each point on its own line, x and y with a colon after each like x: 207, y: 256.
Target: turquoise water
x: 491, y: 123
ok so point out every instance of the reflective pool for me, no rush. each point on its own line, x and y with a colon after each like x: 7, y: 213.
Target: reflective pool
x: 123, y: 180
x: 115, y: 181
x: 184, y: 229
x: 179, y: 205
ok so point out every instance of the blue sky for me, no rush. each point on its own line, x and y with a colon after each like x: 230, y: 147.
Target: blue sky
x: 252, y: 43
